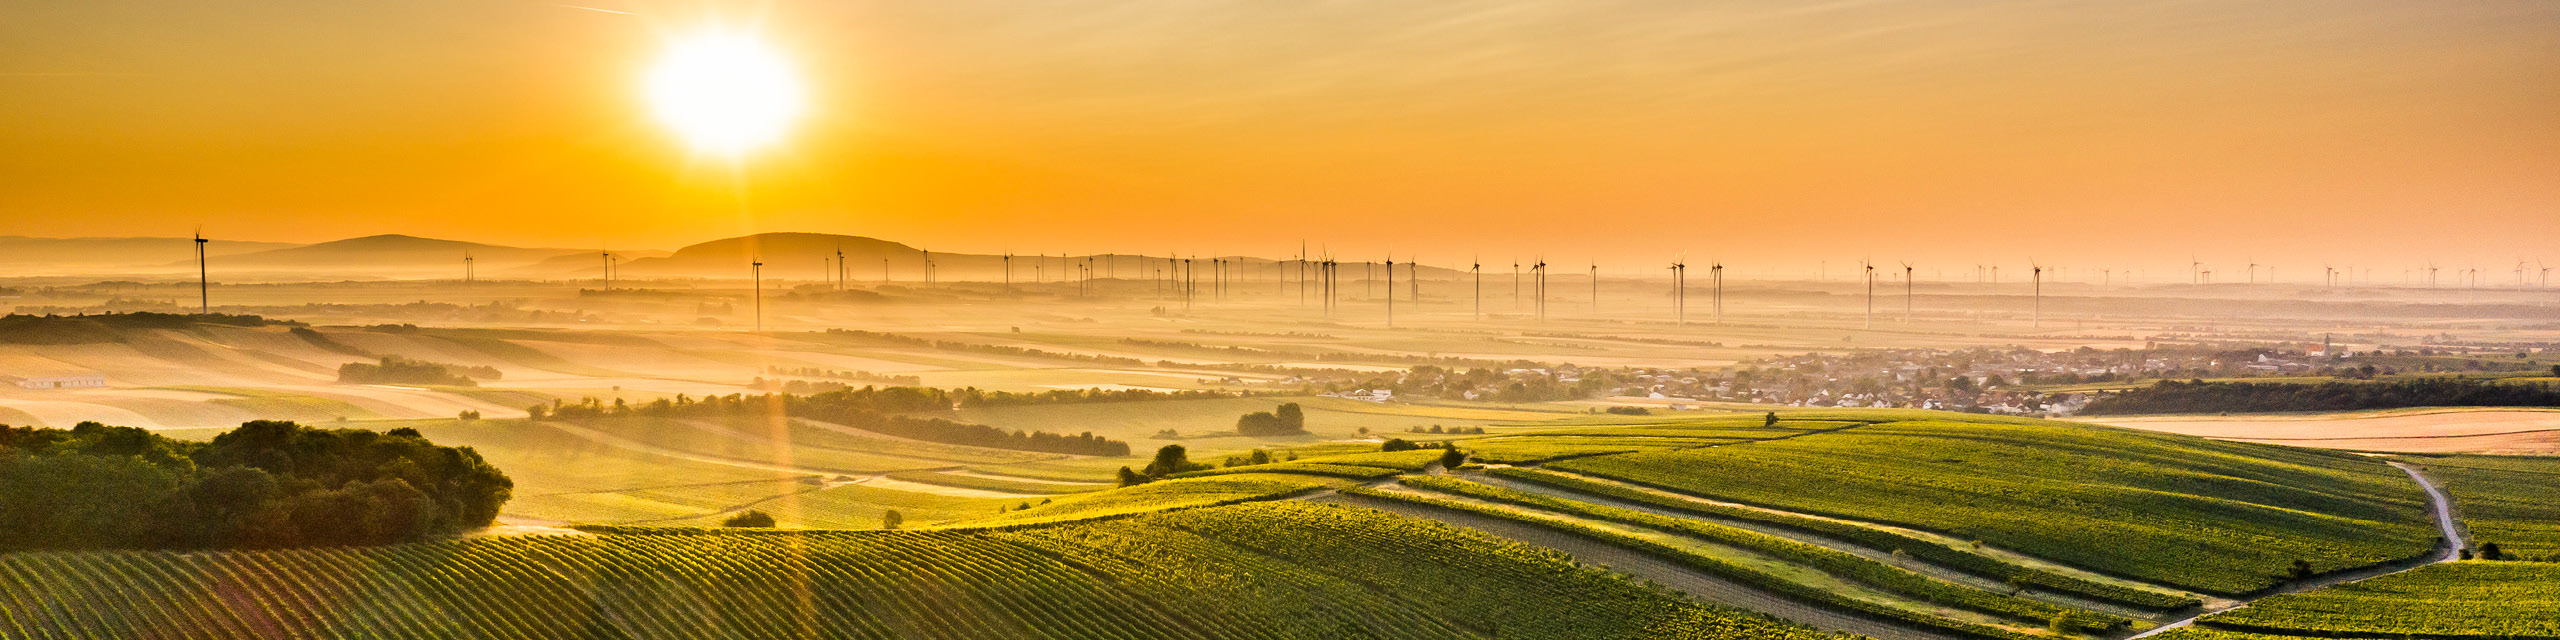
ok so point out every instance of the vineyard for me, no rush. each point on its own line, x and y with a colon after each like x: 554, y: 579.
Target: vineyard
x: 1927, y: 548
x: 2451, y: 600
x: 2506, y: 501
x: 1223, y: 572
x: 2212, y: 517
x: 1840, y: 564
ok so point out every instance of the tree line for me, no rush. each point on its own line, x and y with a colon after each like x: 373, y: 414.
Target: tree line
x: 266, y: 484
x: 399, y: 370
x: 874, y: 409
x: 2198, y: 396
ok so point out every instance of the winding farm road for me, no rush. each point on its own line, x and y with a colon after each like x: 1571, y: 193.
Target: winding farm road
x: 2438, y: 505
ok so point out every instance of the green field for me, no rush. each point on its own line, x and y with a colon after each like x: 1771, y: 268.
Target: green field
x: 2510, y: 501
x: 1222, y: 573
x: 2197, y: 514
x: 2454, y: 599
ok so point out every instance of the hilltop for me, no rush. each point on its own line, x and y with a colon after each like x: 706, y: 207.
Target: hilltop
x: 391, y: 252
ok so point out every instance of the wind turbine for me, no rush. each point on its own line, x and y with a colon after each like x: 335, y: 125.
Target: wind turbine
x: 1008, y: 273
x: 2038, y: 323
x: 1871, y: 292
x: 607, y: 257
x: 2253, y: 270
x: 204, y: 282
x: 841, y: 269
x: 469, y: 274
x: 1391, y: 290
x: 1679, y: 292
x: 1906, y: 292
x: 1478, y: 268
x: 757, y: 267
x: 1715, y: 272
x: 1541, y: 270
x: 2195, y: 270
x: 1595, y: 287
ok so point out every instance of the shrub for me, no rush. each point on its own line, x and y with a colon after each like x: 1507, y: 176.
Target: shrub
x: 1629, y: 411
x: 752, y: 518
x: 1452, y: 457
x: 1398, y: 444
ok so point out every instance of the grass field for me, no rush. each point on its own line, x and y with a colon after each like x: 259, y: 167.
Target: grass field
x: 2208, y: 516
x: 2511, y: 501
x: 1203, y: 573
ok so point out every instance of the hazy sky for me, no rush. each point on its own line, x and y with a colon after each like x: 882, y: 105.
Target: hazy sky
x: 2079, y: 132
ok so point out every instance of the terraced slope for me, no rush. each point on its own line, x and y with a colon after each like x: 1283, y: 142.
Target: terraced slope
x: 1229, y: 572
x: 2473, y: 599
x: 2513, y: 502
x: 2213, y: 517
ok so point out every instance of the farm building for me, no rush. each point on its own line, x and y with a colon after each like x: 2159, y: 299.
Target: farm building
x: 57, y: 382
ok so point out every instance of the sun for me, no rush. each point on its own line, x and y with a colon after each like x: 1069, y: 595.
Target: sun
x: 724, y: 93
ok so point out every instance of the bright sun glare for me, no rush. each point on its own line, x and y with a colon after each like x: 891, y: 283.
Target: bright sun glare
x: 724, y: 93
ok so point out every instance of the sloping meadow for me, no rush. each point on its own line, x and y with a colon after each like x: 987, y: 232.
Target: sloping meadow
x: 2209, y: 516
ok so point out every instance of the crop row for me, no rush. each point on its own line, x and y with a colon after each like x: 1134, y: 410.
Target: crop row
x: 1870, y: 537
x: 2454, y: 599
x: 1264, y: 571
x: 1500, y: 588
x: 1717, y: 566
x: 2212, y: 517
x: 1832, y: 561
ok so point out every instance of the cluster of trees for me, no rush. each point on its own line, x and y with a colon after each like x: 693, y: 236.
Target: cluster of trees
x: 266, y: 484
x: 839, y: 374
x: 1170, y: 459
x: 1449, y: 430
x: 1287, y: 420
x: 2198, y: 396
x: 869, y: 409
x: 975, y: 397
x: 109, y: 327
x: 399, y: 370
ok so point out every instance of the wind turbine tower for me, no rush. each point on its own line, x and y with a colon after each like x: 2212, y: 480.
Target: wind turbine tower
x: 204, y: 282
x: 1871, y: 292
x: 1906, y: 293
x: 756, y: 267
x: 2038, y: 322
x: 1715, y: 271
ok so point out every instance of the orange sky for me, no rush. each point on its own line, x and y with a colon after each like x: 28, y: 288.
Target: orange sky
x: 2091, y: 133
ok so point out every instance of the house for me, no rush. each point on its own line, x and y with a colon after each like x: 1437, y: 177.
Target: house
x: 80, y: 381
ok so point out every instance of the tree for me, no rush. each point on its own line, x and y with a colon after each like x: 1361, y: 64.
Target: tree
x: 891, y: 519
x: 2301, y: 569
x: 2490, y: 551
x: 1129, y: 478
x: 1770, y: 420
x: 752, y: 518
x: 1451, y: 458
x: 1398, y: 444
x: 1172, y: 459
x: 1292, y: 417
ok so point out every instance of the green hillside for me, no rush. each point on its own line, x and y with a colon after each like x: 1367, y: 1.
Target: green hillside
x: 2509, y: 501
x: 2449, y: 600
x: 2209, y: 516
